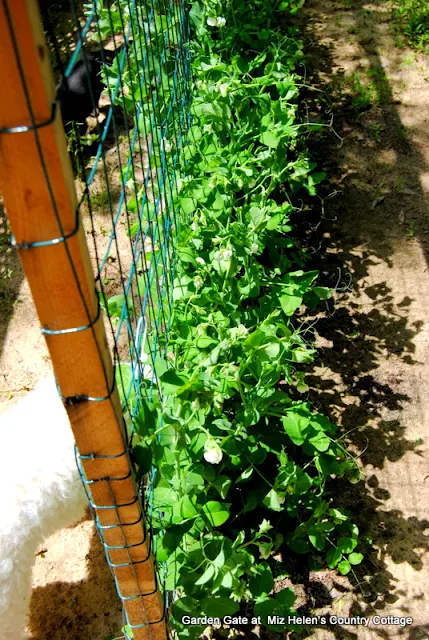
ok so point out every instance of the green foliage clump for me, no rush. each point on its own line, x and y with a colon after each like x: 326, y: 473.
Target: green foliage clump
x: 412, y: 21
x: 241, y: 466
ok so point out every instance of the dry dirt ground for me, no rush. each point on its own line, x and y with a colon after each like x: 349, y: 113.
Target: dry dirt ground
x: 373, y: 377
x: 373, y: 244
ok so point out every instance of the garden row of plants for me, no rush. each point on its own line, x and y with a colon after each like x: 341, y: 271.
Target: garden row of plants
x: 245, y: 471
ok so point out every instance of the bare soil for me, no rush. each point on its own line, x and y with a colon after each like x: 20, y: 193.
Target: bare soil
x: 372, y: 244
x: 373, y: 378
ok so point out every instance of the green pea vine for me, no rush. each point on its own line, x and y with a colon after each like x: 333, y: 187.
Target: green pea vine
x: 245, y: 470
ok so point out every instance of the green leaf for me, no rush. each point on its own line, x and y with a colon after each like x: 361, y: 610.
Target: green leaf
x: 286, y: 597
x: 265, y: 607
x: 184, y: 510
x: 298, y: 545
x: 222, y: 484
x: 213, y: 111
x: 344, y: 567
x: 273, y: 501
x: 172, y: 381
x: 146, y: 419
x: 218, y: 607
x: 274, y: 221
x: 317, y: 540
x: 204, y: 342
x: 322, y: 292
x: 163, y: 498
x: 270, y: 139
x: 333, y: 557
x: 247, y: 473
x: 320, y: 441
x: 355, y: 558
x: 216, y: 512
x: 263, y: 582
x: 303, y: 481
x: 182, y: 607
x: 290, y: 303
x: 317, y: 177
x: 338, y: 515
x: 296, y: 426
x: 143, y: 456
x: 346, y: 545
x: 208, y: 575
x: 185, y: 254
x: 187, y: 205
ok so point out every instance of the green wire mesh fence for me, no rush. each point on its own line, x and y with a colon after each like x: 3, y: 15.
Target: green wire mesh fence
x: 124, y: 90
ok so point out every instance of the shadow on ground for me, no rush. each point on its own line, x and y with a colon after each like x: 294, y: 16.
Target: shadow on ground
x: 85, y: 610
x: 374, y: 205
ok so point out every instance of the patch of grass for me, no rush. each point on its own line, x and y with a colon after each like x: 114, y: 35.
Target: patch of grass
x: 376, y: 130
x: 412, y: 229
x: 411, y: 20
x: 408, y: 61
x: 100, y: 200
x: 364, y: 93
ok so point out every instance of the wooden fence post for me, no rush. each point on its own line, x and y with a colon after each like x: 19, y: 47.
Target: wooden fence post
x: 37, y: 184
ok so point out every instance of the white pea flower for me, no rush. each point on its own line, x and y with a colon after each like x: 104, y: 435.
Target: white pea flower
x: 254, y: 247
x: 212, y: 452
x: 218, y: 403
x: 242, y: 330
x: 208, y: 128
x: 265, y: 526
x: 226, y: 254
x: 198, y: 282
x: 216, y: 21
x: 223, y: 88
x: 200, y: 260
x: 194, y: 226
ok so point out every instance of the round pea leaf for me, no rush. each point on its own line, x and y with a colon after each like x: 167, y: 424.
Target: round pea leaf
x: 344, y: 567
x: 216, y: 512
x: 218, y: 607
x: 261, y: 583
x: 355, y: 558
x: 333, y: 557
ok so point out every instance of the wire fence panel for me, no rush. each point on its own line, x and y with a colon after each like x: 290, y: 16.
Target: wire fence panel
x: 124, y: 91
x: 127, y: 163
x: 127, y: 157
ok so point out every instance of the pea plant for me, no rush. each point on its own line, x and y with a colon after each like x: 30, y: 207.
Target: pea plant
x: 245, y: 471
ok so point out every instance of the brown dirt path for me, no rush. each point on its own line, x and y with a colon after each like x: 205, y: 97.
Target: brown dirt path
x: 374, y: 378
